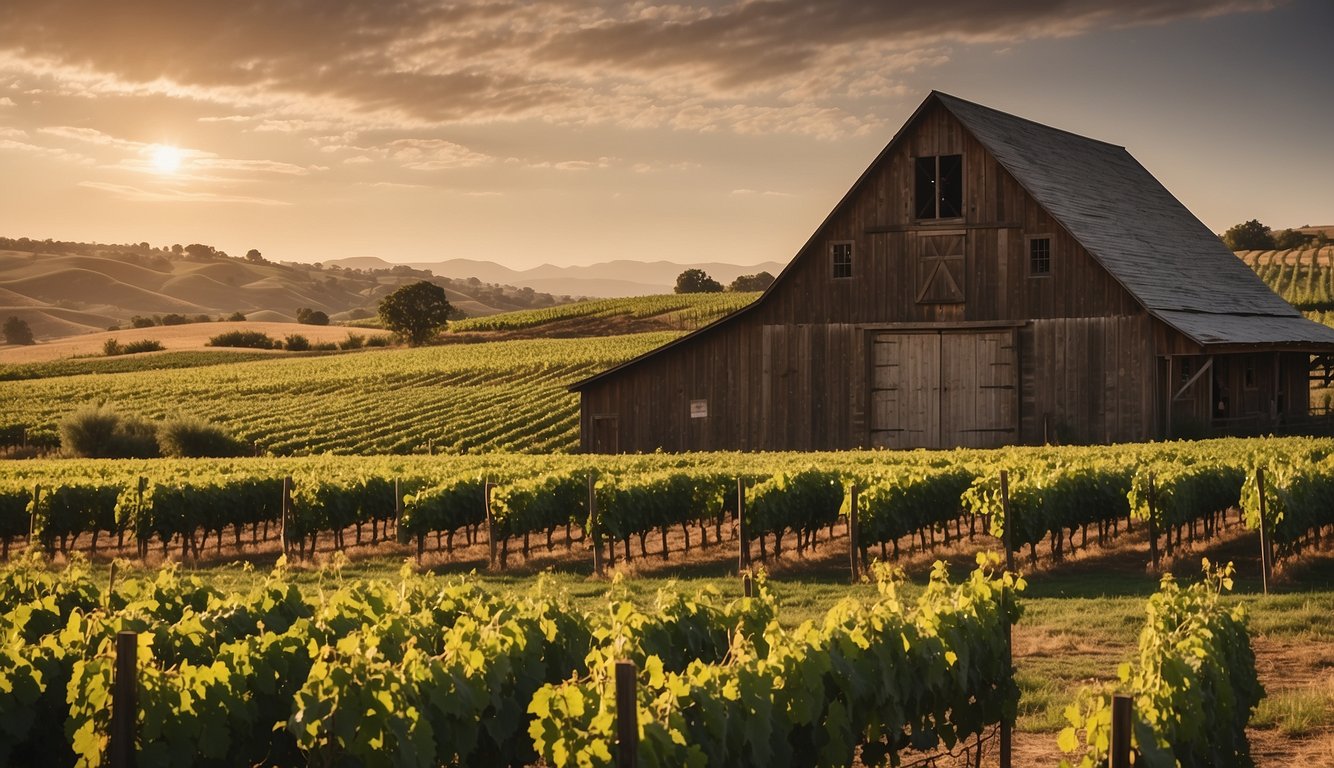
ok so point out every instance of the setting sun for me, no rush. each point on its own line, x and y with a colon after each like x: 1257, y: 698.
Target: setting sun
x: 166, y: 158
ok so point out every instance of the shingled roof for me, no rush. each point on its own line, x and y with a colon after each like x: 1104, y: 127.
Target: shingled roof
x: 1142, y: 235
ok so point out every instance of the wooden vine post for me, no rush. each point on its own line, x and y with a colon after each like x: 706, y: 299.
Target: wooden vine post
x: 1265, y: 558
x: 853, y: 533
x: 1153, y: 522
x: 1119, y: 756
x: 32, y: 516
x: 743, y: 562
x: 490, y: 526
x: 286, y: 511
x: 747, y: 585
x: 1006, y: 727
x: 123, y: 706
x: 627, y: 716
x: 595, y: 526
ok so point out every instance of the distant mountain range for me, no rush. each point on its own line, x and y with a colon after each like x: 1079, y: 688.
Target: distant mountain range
x: 622, y: 277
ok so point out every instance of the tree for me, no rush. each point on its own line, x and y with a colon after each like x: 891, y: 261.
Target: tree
x: 254, y: 255
x: 1290, y: 238
x: 1249, y: 236
x: 415, y: 312
x: 696, y: 281
x: 17, y: 331
x: 758, y: 282
x: 309, y: 316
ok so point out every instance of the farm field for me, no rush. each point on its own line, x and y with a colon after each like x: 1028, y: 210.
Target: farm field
x: 456, y: 398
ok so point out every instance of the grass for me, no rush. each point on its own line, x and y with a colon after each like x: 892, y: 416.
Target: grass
x: 1297, y: 712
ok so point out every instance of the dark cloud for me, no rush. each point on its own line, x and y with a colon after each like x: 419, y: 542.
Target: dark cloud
x: 479, y: 60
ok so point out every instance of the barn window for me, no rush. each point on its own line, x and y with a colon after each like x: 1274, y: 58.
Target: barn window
x: 841, y: 253
x: 1039, y: 256
x: 939, y: 187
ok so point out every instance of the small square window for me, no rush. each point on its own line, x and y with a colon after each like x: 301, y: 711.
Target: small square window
x: 842, y: 259
x: 1039, y: 256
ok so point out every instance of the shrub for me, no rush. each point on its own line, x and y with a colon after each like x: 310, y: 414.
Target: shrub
x: 17, y: 331
x: 353, y: 341
x: 99, y: 432
x: 139, y: 321
x: 310, y: 316
x: 111, y: 348
x: 324, y: 346
x: 377, y: 341
x: 245, y: 339
x: 191, y: 437
x: 175, y: 319
x: 296, y: 343
x: 236, y: 317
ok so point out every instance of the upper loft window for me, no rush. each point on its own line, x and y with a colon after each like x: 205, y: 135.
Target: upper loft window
x: 841, y: 256
x: 1039, y: 256
x: 940, y: 187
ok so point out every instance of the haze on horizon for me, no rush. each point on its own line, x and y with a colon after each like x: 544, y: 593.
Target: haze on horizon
x: 578, y: 132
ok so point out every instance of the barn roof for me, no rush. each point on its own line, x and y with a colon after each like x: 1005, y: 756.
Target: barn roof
x: 1142, y: 235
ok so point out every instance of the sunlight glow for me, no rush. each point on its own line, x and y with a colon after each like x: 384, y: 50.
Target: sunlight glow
x: 166, y: 158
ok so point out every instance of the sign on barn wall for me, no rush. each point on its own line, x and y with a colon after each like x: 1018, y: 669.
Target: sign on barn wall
x: 699, y: 409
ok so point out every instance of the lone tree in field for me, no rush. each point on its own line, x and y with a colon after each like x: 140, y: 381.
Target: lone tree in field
x: 311, y: 316
x: 697, y: 281
x: 415, y: 312
x: 1249, y: 236
x: 757, y: 282
x: 17, y: 331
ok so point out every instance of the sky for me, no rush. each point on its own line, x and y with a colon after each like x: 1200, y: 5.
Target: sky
x: 577, y: 132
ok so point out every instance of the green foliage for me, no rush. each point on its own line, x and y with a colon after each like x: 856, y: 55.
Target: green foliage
x: 101, y: 432
x: 1249, y: 236
x: 1193, y: 683
x: 310, y: 316
x: 244, y: 339
x: 757, y: 282
x: 112, y: 347
x: 192, y: 437
x: 17, y: 331
x: 295, y: 342
x: 696, y: 281
x: 415, y: 312
x: 353, y: 341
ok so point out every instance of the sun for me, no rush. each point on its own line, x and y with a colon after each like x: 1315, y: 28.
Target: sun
x: 166, y: 158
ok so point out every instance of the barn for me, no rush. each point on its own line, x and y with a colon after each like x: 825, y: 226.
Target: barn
x: 986, y: 281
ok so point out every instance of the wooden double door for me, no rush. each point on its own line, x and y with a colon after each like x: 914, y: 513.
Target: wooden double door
x: 944, y: 388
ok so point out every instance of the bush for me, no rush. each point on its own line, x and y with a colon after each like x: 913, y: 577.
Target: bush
x: 190, y: 437
x: 175, y: 319
x: 112, y: 347
x: 17, y: 331
x: 324, y: 346
x: 139, y: 321
x: 236, y: 317
x: 309, y: 316
x: 99, y: 432
x: 377, y: 341
x: 245, y: 339
x: 296, y: 343
x: 353, y: 341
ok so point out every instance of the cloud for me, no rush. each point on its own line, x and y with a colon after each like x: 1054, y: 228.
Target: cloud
x: 739, y: 65
x: 171, y: 195
x: 5, y: 101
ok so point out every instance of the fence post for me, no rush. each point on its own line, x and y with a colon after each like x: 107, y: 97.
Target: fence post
x: 1265, y: 561
x: 287, y: 506
x: 32, y: 516
x: 594, y: 527
x: 1007, y: 727
x: 627, y: 716
x: 853, y: 526
x: 490, y: 526
x: 1120, y: 736
x: 1153, y: 523
x: 747, y: 585
x: 123, y: 706
x: 743, y: 563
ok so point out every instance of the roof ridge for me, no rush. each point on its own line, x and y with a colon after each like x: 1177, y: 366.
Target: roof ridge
x: 951, y: 97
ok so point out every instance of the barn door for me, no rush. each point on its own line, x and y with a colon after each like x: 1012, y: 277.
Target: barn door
x: 942, y: 389
x: 604, y: 434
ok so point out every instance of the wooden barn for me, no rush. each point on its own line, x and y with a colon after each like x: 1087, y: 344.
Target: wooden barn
x: 987, y: 281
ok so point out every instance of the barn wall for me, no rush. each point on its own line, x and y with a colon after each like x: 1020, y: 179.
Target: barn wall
x: 792, y: 372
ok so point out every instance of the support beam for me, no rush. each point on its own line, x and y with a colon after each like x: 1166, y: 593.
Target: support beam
x: 1203, y: 369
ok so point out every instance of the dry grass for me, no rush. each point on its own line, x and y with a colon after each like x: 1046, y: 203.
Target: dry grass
x: 189, y: 337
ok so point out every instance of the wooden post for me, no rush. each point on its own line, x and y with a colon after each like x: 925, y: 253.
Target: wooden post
x: 490, y: 526
x: 747, y: 586
x: 1007, y: 727
x: 286, y: 510
x: 743, y: 563
x: 1120, y: 736
x: 123, y: 708
x: 1153, y: 523
x: 853, y: 526
x: 594, y: 527
x: 1264, y: 535
x: 32, y: 516
x: 398, y: 502
x: 627, y: 716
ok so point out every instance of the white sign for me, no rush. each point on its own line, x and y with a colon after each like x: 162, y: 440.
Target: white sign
x: 699, y: 409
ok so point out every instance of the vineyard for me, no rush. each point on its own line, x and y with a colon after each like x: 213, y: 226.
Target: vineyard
x: 683, y: 311
x: 625, y: 507
x: 1303, y: 277
x: 459, y: 398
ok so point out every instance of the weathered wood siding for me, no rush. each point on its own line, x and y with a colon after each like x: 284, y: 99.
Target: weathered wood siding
x: 796, y: 370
